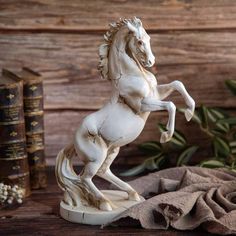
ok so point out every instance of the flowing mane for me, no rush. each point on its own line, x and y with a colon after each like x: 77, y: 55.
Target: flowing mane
x: 108, y: 38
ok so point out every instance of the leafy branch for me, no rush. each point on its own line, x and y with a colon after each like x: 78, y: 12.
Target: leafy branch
x: 214, y: 122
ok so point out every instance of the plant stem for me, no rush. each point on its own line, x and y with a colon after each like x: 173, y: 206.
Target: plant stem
x: 206, y: 130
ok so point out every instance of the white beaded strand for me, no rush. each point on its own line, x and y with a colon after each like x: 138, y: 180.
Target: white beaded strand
x: 9, y: 194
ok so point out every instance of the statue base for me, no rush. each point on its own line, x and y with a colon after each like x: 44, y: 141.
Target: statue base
x: 93, y: 216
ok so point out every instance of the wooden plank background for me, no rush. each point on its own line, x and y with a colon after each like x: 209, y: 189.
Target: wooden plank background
x: 193, y: 41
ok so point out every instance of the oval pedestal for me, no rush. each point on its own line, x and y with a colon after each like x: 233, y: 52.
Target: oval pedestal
x: 93, y: 216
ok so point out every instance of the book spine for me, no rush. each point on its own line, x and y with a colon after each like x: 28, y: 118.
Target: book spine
x: 34, y: 126
x: 14, y: 167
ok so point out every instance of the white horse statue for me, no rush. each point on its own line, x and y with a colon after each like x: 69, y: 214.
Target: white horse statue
x: 135, y: 93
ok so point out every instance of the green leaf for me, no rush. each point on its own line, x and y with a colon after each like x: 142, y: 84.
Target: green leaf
x: 223, y: 127
x: 212, y: 164
x: 221, y: 147
x: 178, y: 138
x: 162, y: 127
x: 234, y: 170
x: 217, y: 113
x: 229, y: 121
x: 151, y: 147
x: 233, y: 150
x: 217, y: 132
x: 160, y: 161
x: 232, y: 144
x: 176, y: 142
x: 203, y: 114
x: 186, y: 155
x: 220, y: 129
x: 231, y: 84
x: 211, y: 116
x: 152, y: 163
x: 195, y: 118
x: 214, y: 115
x: 134, y: 171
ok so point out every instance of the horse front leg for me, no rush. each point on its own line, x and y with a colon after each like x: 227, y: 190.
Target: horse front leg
x: 165, y: 90
x: 152, y: 104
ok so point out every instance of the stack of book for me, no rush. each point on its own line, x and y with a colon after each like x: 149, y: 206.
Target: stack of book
x: 22, y: 159
x: 14, y: 167
x: 34, y: 126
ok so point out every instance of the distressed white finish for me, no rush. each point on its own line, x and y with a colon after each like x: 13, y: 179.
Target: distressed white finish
x: 93, y: 216
x: 123, y: 58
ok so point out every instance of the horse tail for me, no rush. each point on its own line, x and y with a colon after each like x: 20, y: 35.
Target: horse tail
x: 76, y: 192
x: 66, y: 177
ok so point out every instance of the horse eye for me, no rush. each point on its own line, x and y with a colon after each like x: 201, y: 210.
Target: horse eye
x: 140, y: 43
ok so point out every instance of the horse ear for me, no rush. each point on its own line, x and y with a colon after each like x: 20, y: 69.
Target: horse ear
x: 138, y: 21
x: 131, y: 27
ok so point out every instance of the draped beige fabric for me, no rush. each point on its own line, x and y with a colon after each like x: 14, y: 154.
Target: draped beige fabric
x: 185, y: 198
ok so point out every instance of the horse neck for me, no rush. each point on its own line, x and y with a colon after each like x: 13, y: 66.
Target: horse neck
x: 120, y: 63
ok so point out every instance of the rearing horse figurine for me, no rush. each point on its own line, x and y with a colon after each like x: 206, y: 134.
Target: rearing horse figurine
x: 135, y: 93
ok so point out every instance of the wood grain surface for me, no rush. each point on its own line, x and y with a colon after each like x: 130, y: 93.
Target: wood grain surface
x: 93, y: 15
x: 39, y: 215
x: 193, y: 41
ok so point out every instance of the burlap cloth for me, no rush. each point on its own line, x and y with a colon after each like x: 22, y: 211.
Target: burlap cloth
x: 185, y: 198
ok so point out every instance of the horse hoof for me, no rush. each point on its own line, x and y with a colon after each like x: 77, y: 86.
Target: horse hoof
x: 105, y: 206
x: 188, y: 114
x: 165, y: 137
x: 134, y: 197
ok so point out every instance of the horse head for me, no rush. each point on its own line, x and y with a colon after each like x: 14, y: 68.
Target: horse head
x: 139, y: 43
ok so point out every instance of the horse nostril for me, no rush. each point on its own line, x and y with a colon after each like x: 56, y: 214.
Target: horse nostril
x: 151, y: 62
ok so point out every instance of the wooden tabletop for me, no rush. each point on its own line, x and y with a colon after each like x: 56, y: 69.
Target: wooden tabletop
x: 39, y: 215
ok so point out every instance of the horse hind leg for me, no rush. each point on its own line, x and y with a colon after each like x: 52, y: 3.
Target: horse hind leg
x: 105, y: 173
x: 94, y: 151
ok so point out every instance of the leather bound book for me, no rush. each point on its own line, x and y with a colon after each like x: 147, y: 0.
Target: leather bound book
x: 14, y: 167
x: 34, y: 126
